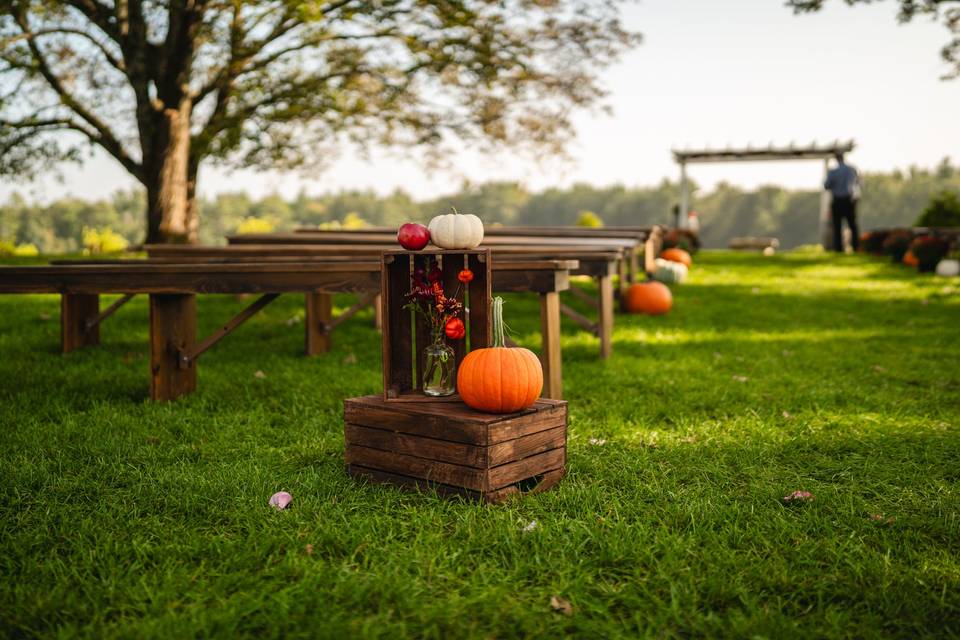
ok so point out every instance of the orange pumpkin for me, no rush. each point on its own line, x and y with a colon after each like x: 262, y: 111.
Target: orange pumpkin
x: 677, y: 255
x: 909, y: 259
x: 649, y: 297
x: 500, y: 379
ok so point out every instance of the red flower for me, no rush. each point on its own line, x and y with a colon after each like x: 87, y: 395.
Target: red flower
x: 435, y: 274
x: 455, y: 329
x: 465, y: 276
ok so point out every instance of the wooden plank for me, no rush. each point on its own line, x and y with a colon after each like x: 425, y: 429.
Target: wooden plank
x: 550, y: 354
x: 397, y: 331
x: 414, y: 484
x: 480, y: 299
x: 605, y: 325
x: 542, y: 417
x: 377, y: 310
x: 173, y: 329
x: 77, y: 311
x: 422, y: 447
x: 319, y: 315
x: 526, y: 446
x: 548, y: 480
x: 395, y: 417
x: 433, y: 470
x: 194, y: 278
x: 513, y: 472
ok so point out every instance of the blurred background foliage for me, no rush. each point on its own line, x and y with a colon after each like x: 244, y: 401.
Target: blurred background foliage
x: 896, y: 198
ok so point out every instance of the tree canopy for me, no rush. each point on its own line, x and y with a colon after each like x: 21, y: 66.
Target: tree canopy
x: 162, y: 85
x: 947, y: 10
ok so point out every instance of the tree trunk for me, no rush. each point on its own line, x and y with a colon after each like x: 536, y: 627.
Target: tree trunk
x: 171, y: 178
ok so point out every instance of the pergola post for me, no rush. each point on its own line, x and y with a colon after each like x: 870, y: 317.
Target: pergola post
x: 826, y: 228
x: 683, y: 221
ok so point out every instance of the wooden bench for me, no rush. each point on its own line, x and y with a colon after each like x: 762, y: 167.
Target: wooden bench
x: 600, y: 263
x: 547, y: 278
x: 174, y: 349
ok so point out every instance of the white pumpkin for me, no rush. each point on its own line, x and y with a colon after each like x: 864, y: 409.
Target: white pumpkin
x: 456, y: 231
x: 669, y: 272
x: 948, y: 268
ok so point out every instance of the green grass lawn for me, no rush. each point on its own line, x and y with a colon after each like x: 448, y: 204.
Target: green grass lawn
x: 834, y: 375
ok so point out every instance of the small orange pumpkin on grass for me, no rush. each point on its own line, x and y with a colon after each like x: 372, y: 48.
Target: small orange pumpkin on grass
x: 677, y: 255
x: 653, y: 298
x: 500, y: 379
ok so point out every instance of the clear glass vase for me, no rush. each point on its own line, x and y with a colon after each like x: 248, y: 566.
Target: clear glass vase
x: 439, y: 370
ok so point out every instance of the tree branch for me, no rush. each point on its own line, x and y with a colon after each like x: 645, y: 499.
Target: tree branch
x: 104, y: 137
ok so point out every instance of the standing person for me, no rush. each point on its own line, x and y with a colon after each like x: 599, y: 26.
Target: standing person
x: 843, y: 183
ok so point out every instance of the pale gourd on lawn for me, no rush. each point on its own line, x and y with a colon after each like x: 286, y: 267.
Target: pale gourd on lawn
x: 670, y: 272
x: 456, y: 231
x: 948, y: 268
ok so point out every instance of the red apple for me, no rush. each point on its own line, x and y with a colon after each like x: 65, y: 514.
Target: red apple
x: 413, y: 236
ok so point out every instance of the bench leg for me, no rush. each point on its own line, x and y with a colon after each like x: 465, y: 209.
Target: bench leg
x: 319, y: 315
x: 605, y: 326
x: 76, y: 310
x: 377, y: 308
x: 173, y: 327
x: 550, y: 358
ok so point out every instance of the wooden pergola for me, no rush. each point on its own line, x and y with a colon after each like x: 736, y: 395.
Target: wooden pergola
x: 762, y: 154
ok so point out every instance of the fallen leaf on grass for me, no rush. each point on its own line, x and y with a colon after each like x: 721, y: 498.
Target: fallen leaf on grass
x: 799, y: 496
x: 292, y: 321
x: 741, y: 378
x: 597, y: 442
x: 561, y: 605
x: 280, y: 500
x: 880, y: 519
x: 45, y: 316
x: 351, y: 358
x: 530, y: 526
x: 787, y: 415
x: 259, y: 374
x: 309, y: 549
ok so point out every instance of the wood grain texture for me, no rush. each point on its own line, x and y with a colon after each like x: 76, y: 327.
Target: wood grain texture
x: 173, y: 328
x: 76, y: 312
x: 397, y: 331
x: 550, y: 353
x: 319, y: 315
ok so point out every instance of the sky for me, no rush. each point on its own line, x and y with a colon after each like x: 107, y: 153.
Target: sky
x: 708, y: 73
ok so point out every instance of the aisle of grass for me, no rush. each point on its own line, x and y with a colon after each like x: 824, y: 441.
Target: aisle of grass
x: 838, y: 376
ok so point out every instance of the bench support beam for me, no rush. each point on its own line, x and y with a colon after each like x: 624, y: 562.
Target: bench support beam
x: 77, y: 311
x: 187, y: 357
x: 173, y: 331
x: 319, y: 316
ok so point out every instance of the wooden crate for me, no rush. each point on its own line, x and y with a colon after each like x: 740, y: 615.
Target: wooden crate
x: 453, y: 449
x: 406, y: 334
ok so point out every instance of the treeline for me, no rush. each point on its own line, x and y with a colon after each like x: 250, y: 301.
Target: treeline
x: 889, y: 199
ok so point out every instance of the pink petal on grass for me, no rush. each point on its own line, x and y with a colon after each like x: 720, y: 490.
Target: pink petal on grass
x: 799, y: 496
x: 280, y: 500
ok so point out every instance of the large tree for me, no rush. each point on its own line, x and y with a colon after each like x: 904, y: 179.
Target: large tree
x: 947, y: 10
x: 162, y: 85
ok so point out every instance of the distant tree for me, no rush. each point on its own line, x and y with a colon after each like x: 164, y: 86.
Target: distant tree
x: 255, y: 225
x: 162, y: 85
x: 943, y: 211
x: 589, y: 219
x: 948, y: 10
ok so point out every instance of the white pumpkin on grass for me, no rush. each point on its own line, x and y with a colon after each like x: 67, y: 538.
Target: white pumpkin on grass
x: 456, y: 231
x: 670, y: 272
x: 948, y: 268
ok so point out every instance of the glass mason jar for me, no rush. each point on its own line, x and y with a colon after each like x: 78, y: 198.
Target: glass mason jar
x: 439, y: 370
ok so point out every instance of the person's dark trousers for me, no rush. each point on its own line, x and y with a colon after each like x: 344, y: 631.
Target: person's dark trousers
x: 844, y: 209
